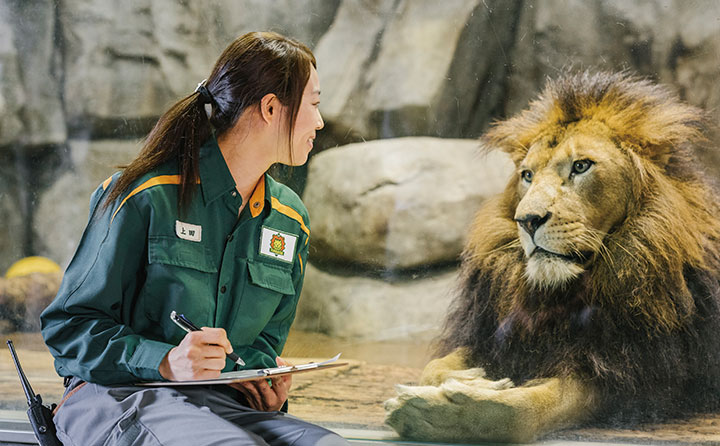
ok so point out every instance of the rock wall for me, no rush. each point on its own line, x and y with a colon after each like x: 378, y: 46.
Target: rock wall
x: 82, y: 77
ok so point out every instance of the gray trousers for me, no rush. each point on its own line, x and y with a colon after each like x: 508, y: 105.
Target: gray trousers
x: 176, y: 416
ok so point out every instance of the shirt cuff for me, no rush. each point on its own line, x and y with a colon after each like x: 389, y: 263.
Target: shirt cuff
x: 146, y: 360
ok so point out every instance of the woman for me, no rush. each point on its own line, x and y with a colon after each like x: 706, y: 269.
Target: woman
x: 194, y: 225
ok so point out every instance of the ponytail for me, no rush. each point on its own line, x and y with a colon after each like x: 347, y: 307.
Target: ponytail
x: 177, y: 135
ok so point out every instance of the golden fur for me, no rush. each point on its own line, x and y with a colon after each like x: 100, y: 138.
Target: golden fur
x: 669, y: 221
x: 592, y: 281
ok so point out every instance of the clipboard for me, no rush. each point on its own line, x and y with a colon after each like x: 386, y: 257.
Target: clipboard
x: 253, y: 374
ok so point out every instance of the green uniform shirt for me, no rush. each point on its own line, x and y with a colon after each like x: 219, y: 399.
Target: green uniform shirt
x: 138, y: 260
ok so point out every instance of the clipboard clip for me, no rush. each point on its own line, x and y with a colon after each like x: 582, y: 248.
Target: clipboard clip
x: 294, y: 368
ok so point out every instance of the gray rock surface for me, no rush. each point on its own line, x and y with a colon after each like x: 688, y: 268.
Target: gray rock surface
x: 98, y: 69
x: 130, y: 60
x: 399, y: 203
x: 11, y: 92
x: 422, y: 68
x: 12, y: 229
x: 343, y: 55
x: 33, y: 25
x: 30, y: 108
x: 363, y: 308
x: 62, y: 211
x: 671, y: 41
x: 112, y: 62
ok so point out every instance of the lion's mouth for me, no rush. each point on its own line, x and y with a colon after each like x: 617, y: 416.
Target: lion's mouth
x: 574, y: 257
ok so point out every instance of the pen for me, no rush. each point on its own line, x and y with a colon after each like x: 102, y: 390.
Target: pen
x: 184, y: 323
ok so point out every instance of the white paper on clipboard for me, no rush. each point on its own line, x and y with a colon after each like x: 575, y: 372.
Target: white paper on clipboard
x: 285, y: 369
x: 246, y: 375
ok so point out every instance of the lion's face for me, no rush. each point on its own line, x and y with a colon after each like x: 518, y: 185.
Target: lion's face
x: 575, y: 185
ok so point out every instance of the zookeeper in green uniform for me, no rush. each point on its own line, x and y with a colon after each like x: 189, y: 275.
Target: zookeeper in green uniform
x: 194, y: 225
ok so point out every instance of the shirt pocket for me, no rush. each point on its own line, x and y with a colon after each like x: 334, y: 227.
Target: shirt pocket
x: 181, y: 276
x: 266, y: 288
x: 272, y: 278
x: 182, y: 253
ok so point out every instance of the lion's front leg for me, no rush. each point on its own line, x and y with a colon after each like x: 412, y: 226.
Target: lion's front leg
x: 439, y: 370
x: 483, y: 410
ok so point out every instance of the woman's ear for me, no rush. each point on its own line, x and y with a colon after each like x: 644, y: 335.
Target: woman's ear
x: 269, y: 107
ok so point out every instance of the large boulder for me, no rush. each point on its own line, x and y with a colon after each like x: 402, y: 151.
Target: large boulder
x: 62, y: 210
x: 399, y: 203
x: 417, y: 67
x: 372, y: 309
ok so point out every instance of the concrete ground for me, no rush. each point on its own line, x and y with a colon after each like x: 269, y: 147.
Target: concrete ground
x: 347, y: 400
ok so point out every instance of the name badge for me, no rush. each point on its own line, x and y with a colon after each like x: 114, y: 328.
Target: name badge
x: 187, y: 231
x: 277, y: 244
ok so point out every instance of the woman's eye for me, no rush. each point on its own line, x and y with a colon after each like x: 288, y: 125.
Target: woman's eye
x: 527, y: 175
x: 581, y: 166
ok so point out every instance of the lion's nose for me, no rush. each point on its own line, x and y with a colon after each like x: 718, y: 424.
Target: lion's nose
x: 531, y: 222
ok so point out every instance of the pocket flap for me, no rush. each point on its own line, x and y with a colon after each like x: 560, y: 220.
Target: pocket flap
x: 271, y: 277
x: 177, y: 252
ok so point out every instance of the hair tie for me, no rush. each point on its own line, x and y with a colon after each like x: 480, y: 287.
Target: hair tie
x: 205, y: 96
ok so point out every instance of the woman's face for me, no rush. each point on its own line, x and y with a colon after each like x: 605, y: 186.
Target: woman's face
x: 308, y: 121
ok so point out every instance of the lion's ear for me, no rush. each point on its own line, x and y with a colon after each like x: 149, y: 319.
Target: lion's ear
x: 658, y: 155
x: 505, y: 137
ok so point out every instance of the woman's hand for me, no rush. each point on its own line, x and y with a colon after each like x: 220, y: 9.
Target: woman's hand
x: 200, y: 355
x: 259, y: 394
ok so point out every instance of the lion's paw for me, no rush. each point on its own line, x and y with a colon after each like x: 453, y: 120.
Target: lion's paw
x: 455, y: 411
x: 420, y: 412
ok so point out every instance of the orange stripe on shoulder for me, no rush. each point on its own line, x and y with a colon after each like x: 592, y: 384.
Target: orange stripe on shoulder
x: 258, y: 198
x: 290, y: 212
x: 154, y: 181
x: 106, y: 183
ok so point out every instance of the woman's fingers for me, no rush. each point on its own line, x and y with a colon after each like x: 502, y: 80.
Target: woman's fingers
x: 253, y: 397
x: 200, y: 355
x: 261, y: 396
x: 215, y: 336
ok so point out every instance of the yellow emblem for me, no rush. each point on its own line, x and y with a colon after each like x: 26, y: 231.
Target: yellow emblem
x: 277, y: 244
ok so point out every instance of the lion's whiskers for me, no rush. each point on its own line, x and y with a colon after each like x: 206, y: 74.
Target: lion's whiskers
x: 515, y: 243
x: 596, y: 239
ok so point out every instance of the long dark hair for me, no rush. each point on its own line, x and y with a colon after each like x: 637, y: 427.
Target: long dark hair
x: 252, y: 66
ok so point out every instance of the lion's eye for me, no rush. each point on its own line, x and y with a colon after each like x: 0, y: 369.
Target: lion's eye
x: 527, y: 175
x: 581, y: 166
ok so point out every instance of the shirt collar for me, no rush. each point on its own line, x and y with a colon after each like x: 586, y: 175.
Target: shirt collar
x: 215, y: 177
x: 258, y: 197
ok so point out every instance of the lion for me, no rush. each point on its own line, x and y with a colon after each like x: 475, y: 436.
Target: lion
x: 590, y: 287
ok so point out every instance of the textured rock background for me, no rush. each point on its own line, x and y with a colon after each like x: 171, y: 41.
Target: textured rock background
x: 399, y: 203
x: 372, y: 309
x: 81, y: 81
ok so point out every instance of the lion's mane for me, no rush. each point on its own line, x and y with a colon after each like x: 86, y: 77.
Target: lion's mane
x: 642, y: 324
